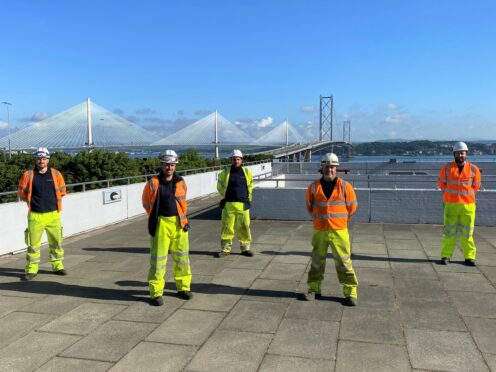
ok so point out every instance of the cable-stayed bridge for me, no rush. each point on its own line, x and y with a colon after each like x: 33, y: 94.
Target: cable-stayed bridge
x: 88, y: 125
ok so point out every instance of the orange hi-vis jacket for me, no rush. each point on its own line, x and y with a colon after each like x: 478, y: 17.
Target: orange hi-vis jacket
x: 332, y: 214
x: 459, y: 187
x: 25, y: 188
x: 150, y: 195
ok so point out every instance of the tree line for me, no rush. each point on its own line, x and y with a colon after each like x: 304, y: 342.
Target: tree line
x: 419, y: 148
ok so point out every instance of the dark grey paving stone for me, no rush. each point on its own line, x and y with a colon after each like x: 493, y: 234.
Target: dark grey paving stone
x: 484, y: 333
x: 370, y: 260
x: 442, y: 350
x: 362, y: 356
x: 430, y: 314
x: 328, y: 308
x: 369, y: 248
x: 280, y: 230
x: 151, y: 356
x: 142, y: 311
x: 208, y: 267
x: 475, y: 304
x: 405, y: 255
x: 271, y: 239
x: 231, y: 351
x: 110, y: 342
x: 254, y: 316
x: 278, y: 363
x: 376, y: 297
x: 257, y: 262
x: 9, y: 304
x: 279, y: 271
x: 466, y: 282
x: 374, y: 277
x: 33, y: 350
x: 292, y: 257
x: 271, y: 290
x: 491, y: 361
x: 427, y: 289
x: 404, y: 244
x: 17, y: 324
x: 70, y: 364
x: 489, y: 272
x: 363, y: 237
x: 421, y: 270
x: 83, y: 319
x: 242, y: 278
x: 366, y: 324
x: 399, y: 235
x: 486, y: 259
x: 306, y: 338
x: 187, y: 327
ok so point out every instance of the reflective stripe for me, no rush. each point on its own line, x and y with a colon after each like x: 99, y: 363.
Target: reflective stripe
x: 468, y: 236
x: 33, y: 250
x: 342, y: 259
x: 182, y: 263
x: 56, y: 256
x: 450, y: 235
x: 451, y: 226
x: 459, y: 182
x: 443, y: 180
x: 317, y: 266
x: 157, y: 258
x: 161, y: 267
x: 152, y: 185
x: 179, y: 254
x: 25, y: 189
x: 60, y: 188
x: 348, y: 204
x: 183, y: 217
x: 327, y: 204
x: 460, y: 192
x: 33, y: 260
x: 341, y: 267
x: 330, y: 215
x: 181, y: 197
x: 470, y: 228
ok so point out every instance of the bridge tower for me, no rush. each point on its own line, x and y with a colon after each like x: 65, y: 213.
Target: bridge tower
x: 347, y: 131
x: 326, y: 116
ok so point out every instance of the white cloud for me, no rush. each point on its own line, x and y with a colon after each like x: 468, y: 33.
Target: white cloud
x: 4, y: 125
x: 392, y: 106
x: 37, y: 116
x: 308, y: 108
x: 262, y: 123
x: 396, y: 119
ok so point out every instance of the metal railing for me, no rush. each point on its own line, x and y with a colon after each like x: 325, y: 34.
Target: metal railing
x: 109, y: 182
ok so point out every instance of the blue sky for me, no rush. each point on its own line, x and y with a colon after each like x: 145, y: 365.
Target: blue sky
x: 397, y: 69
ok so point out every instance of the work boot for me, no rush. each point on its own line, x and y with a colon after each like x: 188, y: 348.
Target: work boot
x: 157, y: 301
x: 350, y: 301
x: 247, y: 253
x: 28, y: 276
x: 444, y: 261
x: 60, y: 272
x: 309, y: 296
x: 469, y: 262
x: 185, y: 295
x: 223, y: 254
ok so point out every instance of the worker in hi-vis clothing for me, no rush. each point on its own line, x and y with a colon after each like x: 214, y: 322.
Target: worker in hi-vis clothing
x: 331, y: 202
x: 42, y: 188
x: 459, y: 181
x: 164, y: 199
x: 235, y: 184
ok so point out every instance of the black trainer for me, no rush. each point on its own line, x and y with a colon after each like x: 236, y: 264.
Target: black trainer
x: 157, y: 301
x: 469, y: 262
x: 444, y: 261
x: 350, y: 301
x: 60, y: 272
x: 185, y: 295
x: 247, y: 253
x: 28, y: 276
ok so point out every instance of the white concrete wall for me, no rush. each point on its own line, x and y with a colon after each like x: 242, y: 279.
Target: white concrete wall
x: 86, y: 211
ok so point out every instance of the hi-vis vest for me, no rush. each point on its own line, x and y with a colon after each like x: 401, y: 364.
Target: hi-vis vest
x: 459, y: 187
x: 150, y: 193
x: 332, y: 214
x: 223, y: 181
x: 25, y: 188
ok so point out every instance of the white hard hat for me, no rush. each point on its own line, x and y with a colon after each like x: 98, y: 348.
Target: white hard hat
x: 236, y: 154
x: 42, y: 152
x: 460, y: 146
x: 169, y: 157
x: 329, y: 159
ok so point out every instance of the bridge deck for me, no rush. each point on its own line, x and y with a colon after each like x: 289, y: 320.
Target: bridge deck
x: 245, y: 314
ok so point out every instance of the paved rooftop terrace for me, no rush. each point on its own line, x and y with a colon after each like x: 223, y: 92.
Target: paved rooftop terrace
x: 413, y: 314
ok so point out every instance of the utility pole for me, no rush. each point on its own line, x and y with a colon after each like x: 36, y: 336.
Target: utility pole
x: 8, y: 104
x: 88, y: 119
x: 326, y: 116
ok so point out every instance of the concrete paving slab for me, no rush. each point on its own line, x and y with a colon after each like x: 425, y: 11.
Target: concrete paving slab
x: 53, y: 304
x: 279, y: 271
x: 474, y: 304
x: 110, y: 342
x: 376, y: 297
x: 271, y: 290
x: 83, y: 319
x: 208, y: 266
x: 71, y: 364
x: 257, y: 262
x: 278, y: 363
x: 367, y: 238
x: 306, y: 338
x: 236, y: 277
x: 432, y: 314
x: 374, y: 277
x: 370, y: 260
x: 404, y: 255
x: 443, y: 351
x: 396, y: 234
x: 373, y: 357
x: 466, y: 282
x: 33, y: 350
x: 489, y: 272
x: 328, y: 308
x: 293, y: 257
x: 426, y: 289
x: 484, y: 333
x: 10, y: 304
x: 271, y: 239
x: 486, y: 259
x: 404, y: 244
x: 151, y: 356
x: 187, y: 327
x: 16, y: 325
x: 421, y: 270
x: 143, y: 312
x: 491, y: 361
x: 254, y: 316
x: 369, y: 325
x: 231, y: 351
x: 369, y: 248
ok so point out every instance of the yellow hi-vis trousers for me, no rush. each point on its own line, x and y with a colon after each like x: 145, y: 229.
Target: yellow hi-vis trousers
x: 37, y: 224
x: 461, y: 218
x: 235, y: 222
x: 169, y: 236
x: 339, y: 240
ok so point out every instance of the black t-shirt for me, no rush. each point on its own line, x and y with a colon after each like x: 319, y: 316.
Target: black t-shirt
x: 43, y: 198
x: 237, y: 190
x: 328, y: 187
x: 167, y: 203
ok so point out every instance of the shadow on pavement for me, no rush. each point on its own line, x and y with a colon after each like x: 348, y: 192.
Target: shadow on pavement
x: 18, y: 273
